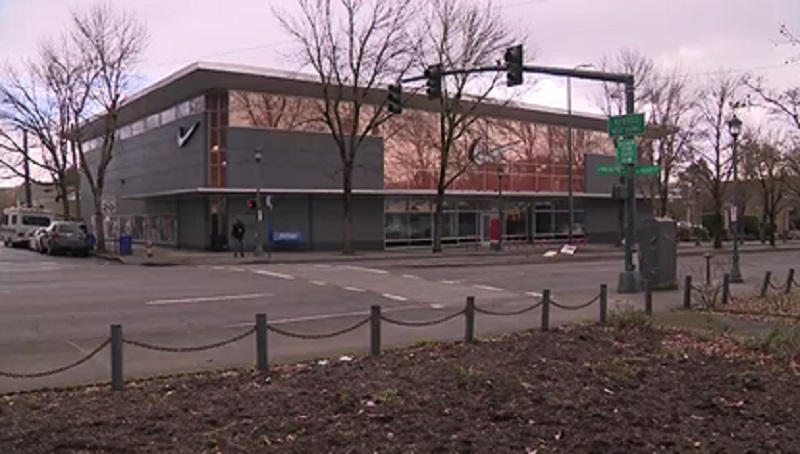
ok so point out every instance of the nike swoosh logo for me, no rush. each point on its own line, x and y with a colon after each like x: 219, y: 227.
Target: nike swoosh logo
x: 183, y: 136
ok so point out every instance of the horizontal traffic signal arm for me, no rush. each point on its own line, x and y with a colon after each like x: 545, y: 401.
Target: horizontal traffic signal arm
x: 548, y: 70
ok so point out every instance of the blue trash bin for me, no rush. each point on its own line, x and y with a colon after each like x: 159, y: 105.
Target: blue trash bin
x: 125, y: 245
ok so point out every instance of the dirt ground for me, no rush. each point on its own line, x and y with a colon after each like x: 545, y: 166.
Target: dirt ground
x: 580, y: 389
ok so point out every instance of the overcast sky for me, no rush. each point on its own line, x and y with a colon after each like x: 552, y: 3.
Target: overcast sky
x: 701, y: 36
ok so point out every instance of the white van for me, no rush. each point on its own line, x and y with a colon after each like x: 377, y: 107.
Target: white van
x: 18, y: 223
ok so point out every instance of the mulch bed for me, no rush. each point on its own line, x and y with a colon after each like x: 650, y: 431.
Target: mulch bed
x: 580, y: 389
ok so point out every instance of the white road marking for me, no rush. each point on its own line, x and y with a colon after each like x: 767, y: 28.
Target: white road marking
x: 207, y: 299
x: 394, y: 297
x: 218, y: 268
x: 237, y: 269
x: 449, y: 282
x: 355, y: 289
x: 274, y: 274
x: 311, y: 318
x: 488, y: 287
x: 320, y: 283
x: 437, y: 306
x: 365, y: 269
x: 534, y: 294
x: 83, y: 351
x: 322, y: 265
x: 411, y: 276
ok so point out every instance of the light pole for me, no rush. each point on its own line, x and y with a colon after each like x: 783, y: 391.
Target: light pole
x: 570, y: 158
x: 259, y: 207
x: 500, y: 216
x: 735, y: 128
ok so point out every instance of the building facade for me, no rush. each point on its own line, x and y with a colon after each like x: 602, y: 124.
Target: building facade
x: 185, y: 167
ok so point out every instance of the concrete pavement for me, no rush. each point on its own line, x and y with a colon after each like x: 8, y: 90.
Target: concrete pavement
x: 55, y: 309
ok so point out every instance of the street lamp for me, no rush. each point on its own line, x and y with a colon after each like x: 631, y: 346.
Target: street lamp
x: 500, y: 216
x: 259, y: 209
x: 570, y: 159
x: 735, y: 128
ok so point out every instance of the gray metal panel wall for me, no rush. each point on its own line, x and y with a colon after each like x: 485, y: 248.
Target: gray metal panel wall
x: 317, y: 218
x: 193, y: 223
x: 595, y: 183
x: 298, y: 160
x: 153, y: 162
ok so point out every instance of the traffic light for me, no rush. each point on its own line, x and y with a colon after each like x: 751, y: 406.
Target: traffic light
x: 513, y: 60
x: 433, y: 75
x: 251, y: 204
x: 395, y: 98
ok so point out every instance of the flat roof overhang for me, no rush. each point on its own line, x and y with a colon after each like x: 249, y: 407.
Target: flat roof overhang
x: 200, y: 77
x: 362, y: 192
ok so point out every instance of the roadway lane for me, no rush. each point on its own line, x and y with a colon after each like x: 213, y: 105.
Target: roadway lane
x: 53, y: 310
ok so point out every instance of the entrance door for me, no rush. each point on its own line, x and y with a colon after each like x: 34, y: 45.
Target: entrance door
x: 486, y: 227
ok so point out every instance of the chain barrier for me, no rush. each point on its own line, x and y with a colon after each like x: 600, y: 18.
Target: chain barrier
x: 421, y: 324
x: 160, y: 348
x: 318, y: 336
x: 502, y: 314
x: 795, y: 282
x: 577, y: 307
x: 60, y: 369
x: 773, y: 286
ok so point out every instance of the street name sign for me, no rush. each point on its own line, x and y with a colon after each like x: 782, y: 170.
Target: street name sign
x: 642, y: 170
x: 626, y: 151
x: 626, y: 125
x: 646, y: 170
x: 609, y: 170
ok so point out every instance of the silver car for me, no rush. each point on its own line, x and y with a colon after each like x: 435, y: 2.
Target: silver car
x: 66, y: 236
x: 36, y: 238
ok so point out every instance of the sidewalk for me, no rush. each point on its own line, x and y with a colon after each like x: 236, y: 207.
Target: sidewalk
x: 513, y: 254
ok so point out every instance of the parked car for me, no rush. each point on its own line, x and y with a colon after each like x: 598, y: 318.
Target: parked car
x: 66, y: 236
x: 35, y: 240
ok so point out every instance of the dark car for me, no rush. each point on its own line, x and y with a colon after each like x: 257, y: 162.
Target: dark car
x: 66, y: 236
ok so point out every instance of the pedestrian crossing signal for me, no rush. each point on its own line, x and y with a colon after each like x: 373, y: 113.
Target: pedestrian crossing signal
x: 251, y: 204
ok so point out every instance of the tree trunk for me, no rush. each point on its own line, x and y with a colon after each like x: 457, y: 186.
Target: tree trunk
x: 347, y: 227
x: 717, y: 227
x: 62, y: 192
x: 99, y: 226
x: 771, y: 226
x: 78, y: 213
x: 437, y: 219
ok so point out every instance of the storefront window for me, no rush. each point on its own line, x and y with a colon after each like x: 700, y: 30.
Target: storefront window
x: 420, y: 226
x: 467, y: 224
x: 396, y: 226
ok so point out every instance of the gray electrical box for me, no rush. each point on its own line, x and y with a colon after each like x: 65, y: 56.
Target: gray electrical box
x: 658, y: 253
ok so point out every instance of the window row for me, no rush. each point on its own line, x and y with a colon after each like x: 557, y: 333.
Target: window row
x: 190, y: 107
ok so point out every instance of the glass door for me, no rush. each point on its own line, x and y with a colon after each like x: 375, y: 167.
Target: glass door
x: 486, y: 227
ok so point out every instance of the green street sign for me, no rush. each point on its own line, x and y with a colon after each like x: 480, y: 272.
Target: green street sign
x: 626, y: 151
x: 626, y: 125
x: 646, y: 170
x: 609, y: 170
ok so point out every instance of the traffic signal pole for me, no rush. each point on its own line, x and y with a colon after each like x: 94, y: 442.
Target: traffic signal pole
x: 629, y: 278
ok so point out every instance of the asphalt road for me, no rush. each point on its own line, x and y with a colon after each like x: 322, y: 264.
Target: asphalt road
x: 53, y: 310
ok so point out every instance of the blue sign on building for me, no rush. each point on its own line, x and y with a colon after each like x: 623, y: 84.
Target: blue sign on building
x: 287, y: 237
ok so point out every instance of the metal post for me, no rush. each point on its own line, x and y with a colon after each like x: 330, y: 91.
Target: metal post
x: 707, y: 256
x: 687, y: 293
x: 765, y: 283
x: 603, y: 303
x: 500, y: 214
x: 790, y: 281
x: 262, y: 362
x: 375, y: 331
x: 469, y: 320
x: 26, y: 167
x: 736, y: 272
x: 259, y: 206
x: 269, y: 232
x: 629, y: 280
x: 570, y: 196
x: 545, y: 309
x: 726, y: 288
x: 648, y: 298
x: 117, y: 382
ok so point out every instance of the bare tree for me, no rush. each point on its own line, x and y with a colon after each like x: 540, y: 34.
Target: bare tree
x: 30, y: 101
x: 354, y: 47
x: 715, y: 109
x: 111, y: 43
x: 460, y: 34
x: 764, y: 160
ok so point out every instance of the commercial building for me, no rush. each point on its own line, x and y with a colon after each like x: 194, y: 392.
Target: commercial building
x: 185, y: 166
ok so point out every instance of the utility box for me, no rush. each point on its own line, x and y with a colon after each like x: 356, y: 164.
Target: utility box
x: 658, y: 253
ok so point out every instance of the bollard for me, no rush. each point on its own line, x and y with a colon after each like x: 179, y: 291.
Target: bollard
x: 603, y: 303
x: 707, y: 256
x: 375, y: 331
x: 687, y: 293
x: 765, y: 284
x: 648, y: 298
x: 262, y: 360
x: 117, y: 382
x: 726, y: 288
x: 469, y: 320
x: 545, y: 310
x: 790, y: 281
